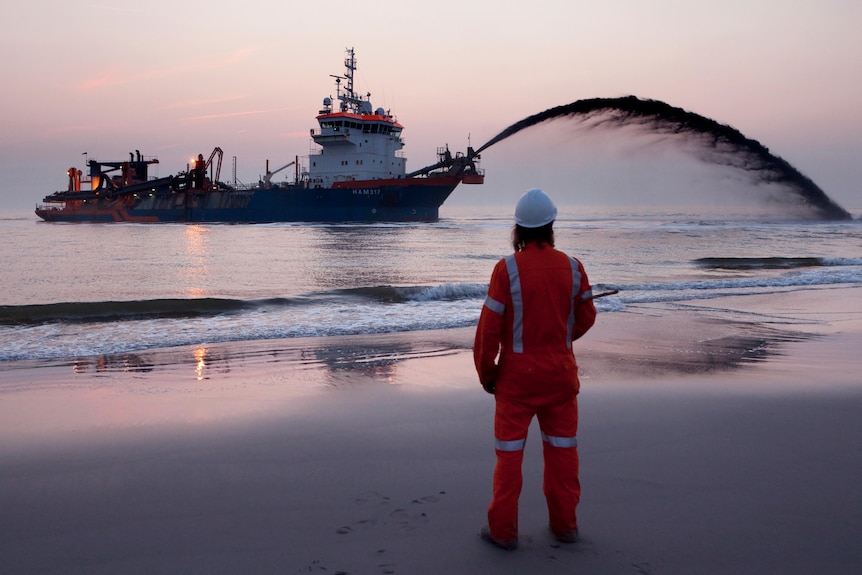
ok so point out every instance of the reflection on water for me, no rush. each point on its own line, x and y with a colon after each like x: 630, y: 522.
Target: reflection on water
x: 202, y: 362
x: 200, y: 356
x: 339, y: 362
x: 129, y: 362
x: 202, y: 386
x: 209, y: 361
x: 351, y: 361
x: 195, y: 272
x: 334, y: 252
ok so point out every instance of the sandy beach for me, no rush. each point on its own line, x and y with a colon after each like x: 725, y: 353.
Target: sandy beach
x: 706, y: 447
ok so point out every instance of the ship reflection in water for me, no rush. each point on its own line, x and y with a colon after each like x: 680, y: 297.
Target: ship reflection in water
x: 312, y: 363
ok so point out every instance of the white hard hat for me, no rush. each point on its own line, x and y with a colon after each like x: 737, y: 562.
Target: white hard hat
x: 535, y: 209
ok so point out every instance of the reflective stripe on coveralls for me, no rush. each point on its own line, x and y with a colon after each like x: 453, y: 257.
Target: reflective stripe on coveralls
x: 518, y: 303
x: 494, y: 305
x: 576, y: 286
x: 555, y: 441
x: 514, y: 445
x: 519, y: 444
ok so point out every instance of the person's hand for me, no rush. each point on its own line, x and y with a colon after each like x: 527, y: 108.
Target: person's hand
x: 490, y: 387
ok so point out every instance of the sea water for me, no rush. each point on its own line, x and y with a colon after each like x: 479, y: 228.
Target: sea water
x: 88, y: 291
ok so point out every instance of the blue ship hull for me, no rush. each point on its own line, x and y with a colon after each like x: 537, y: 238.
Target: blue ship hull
x: 413, y: 199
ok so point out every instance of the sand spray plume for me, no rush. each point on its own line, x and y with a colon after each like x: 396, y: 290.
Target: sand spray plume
x: 721, y: 143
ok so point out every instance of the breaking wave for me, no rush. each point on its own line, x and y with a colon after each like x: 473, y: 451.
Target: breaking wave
x: 773, y: 263
x: 180, y: 308
x: 70, y: 330
x: 105, y: 311
x: 818, y: 277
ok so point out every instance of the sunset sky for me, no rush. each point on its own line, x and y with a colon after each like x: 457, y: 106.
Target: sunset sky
x: 174, y: 79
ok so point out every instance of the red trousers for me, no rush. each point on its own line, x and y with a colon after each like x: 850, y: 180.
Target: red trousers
x: 559, y: 426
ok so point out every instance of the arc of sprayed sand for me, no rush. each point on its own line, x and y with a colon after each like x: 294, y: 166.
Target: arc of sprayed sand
x: 730, y: 144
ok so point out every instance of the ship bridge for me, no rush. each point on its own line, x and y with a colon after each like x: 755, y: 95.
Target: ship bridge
x: 356, y: 142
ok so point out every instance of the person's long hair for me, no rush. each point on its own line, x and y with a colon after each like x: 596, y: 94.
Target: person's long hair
x: 522, y: 236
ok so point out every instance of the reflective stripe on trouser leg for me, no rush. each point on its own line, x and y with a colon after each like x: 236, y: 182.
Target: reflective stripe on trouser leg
x: 515, y: 445
x: 556, y: 441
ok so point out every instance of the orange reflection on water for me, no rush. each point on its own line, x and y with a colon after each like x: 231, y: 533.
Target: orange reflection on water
x: 196, y: 270
x: 200, y: 362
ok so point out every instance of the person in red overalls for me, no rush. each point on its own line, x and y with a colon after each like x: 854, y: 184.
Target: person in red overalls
x: 539, y: 301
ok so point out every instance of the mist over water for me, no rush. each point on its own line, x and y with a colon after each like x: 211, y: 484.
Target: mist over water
x: 716, y: 143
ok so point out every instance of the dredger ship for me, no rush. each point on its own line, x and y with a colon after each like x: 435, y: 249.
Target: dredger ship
x: 356, y: 173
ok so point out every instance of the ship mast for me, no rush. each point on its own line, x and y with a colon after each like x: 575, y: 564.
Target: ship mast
x: 350, y: 102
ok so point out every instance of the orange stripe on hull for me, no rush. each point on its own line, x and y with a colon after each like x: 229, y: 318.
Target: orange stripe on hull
x: 395, y: 182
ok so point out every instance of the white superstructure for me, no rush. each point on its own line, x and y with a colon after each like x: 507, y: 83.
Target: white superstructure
x: 356, y: 142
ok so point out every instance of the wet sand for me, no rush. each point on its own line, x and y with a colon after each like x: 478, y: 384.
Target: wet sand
x: 706, y: 447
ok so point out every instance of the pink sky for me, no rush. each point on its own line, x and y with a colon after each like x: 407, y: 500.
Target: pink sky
x: 177, y: 79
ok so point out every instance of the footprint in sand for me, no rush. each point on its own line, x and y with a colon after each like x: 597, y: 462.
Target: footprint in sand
x: 409, y: 516
x: 371, y: 497
x: 407, y: 520
x: 356, y: 524
x: 316, y: 566
x: 413, y: 516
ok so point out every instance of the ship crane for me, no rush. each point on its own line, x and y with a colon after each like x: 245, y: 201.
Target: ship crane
x: 267, y: 179
x: 216, y: 151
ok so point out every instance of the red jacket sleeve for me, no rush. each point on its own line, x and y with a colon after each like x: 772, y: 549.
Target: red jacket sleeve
x: 489, y: 332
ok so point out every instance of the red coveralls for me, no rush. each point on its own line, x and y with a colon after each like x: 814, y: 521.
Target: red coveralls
x: 539, y: 301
